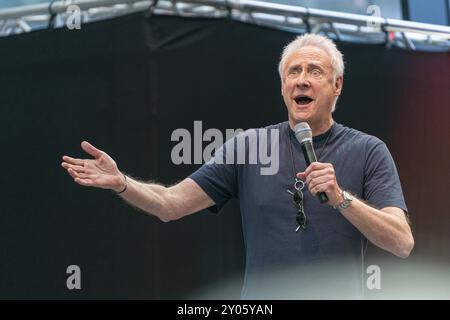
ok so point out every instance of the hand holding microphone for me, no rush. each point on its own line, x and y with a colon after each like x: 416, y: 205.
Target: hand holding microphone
x: 303, y: 134
x: 320, y: 177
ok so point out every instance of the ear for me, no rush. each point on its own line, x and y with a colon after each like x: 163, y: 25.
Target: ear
x: 338, y: 85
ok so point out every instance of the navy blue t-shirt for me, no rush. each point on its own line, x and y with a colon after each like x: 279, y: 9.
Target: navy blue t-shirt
x: 326, y: 259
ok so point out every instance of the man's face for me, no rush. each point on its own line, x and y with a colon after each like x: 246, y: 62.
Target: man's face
x: 307, y: 86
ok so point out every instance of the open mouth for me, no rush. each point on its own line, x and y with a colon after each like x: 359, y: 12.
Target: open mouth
x: 303, y: 99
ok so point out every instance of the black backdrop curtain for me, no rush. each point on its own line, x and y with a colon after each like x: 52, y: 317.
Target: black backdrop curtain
x: 125, y: 85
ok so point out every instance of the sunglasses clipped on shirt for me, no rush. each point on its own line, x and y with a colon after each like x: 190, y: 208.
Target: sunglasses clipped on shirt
x: 297, y: 199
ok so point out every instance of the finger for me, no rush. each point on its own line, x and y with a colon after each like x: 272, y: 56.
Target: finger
x: 76, y: 168
x: 316, y: 174
x: 89, y: 148
x: 301, y: 176
x: 84, y: 182
x: 322, y: 187
x: 73, y: 160
x: 319, y: 180
x: 315, y: 166
x: 73, y: 173
x: 80, y: 175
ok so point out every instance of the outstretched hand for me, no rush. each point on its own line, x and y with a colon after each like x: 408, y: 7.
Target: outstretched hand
x: 100, y: 172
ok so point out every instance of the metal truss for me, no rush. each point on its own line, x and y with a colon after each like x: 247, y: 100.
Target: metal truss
x: 337, y: 25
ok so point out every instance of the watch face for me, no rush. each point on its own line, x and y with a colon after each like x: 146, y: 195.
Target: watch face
x: 347, y: 196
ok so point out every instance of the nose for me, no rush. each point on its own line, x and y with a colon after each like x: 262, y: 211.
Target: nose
x: 303, y: 81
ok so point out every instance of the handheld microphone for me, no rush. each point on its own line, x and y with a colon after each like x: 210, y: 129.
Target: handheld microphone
x: 303, y: 134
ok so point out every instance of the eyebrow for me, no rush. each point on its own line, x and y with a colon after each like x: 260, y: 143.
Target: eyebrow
x: 313, y: 66
x: 310, y: 66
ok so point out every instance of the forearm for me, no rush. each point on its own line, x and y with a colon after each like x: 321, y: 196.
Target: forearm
x: 386, y: 230
x: 181, y: 199
x: 151, y: 198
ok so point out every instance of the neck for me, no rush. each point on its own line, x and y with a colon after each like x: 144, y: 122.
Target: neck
x: 316, y: 128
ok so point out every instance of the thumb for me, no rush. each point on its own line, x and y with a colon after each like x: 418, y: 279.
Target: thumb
x: 301, y: 175
x: 89, y: 148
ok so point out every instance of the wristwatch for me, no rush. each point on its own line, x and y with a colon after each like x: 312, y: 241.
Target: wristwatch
x: 347, y: 200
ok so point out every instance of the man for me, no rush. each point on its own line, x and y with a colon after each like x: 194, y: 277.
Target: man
x: 355, y: 171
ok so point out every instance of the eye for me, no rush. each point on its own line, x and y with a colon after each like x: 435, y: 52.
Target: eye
x: 293, y: 72
x: 316, y: 72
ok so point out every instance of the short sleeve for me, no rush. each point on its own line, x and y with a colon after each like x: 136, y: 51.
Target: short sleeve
x: 382, y: 186
x: 218, y: 179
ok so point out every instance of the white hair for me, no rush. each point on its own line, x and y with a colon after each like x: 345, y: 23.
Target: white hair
x: 319, y: 41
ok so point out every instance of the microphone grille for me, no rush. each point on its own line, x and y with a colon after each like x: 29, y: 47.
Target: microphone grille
x: 302, y: 131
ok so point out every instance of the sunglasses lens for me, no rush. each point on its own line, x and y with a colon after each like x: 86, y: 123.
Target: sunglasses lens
x: 301, y: 219
x: 298, y: 202
x: 298, y: 197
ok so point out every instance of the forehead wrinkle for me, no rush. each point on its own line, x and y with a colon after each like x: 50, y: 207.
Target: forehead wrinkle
x: 309, y: 64
x: 316, y: 55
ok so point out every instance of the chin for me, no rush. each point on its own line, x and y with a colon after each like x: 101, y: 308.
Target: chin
x: 300, y: 116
